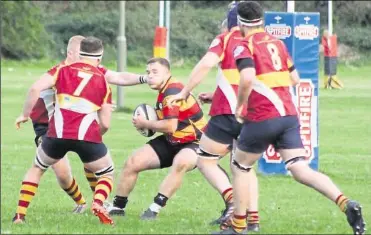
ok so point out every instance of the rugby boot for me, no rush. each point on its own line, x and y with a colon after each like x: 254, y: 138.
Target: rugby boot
x: 101, y: 213
x: 19, y: 219
x: 148, y: 215
x: 113, y: 210
x: 229, y: 230
x: 226, y: 214
x: 79, y: 208
x: 354, y: 216
x: 253, y: 227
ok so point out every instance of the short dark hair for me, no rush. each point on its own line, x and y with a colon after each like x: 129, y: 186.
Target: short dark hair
x: 91, y: 45
x: 249, y: 10
x: 160, y: 60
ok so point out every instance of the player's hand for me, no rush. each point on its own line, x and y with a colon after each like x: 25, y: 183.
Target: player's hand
x: 205, y: 97
x: 113, y: 106
x: 175, y: 98
x: 139, y: 122
x: 19, y: 120
x: 238, y: 114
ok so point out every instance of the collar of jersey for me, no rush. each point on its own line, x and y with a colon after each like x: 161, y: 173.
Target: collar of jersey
x: 254, y: 31
x: 167, y: 82
x: 235, y: 28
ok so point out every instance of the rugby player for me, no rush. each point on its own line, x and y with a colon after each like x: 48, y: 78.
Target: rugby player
x: 44, y: 108
x: 82, y: 115
x: 222, y: 128
x: 267, y: 73
x: 181, y: 126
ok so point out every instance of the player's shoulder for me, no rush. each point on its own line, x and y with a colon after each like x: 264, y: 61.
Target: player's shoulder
x: 102, y: 69
x: 56, y: 67
x: 172, y: 87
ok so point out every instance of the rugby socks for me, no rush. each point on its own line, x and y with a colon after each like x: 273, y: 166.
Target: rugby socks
x: 74, y: 192
x: 239, y: 223
x: 252, y: 217
x: 102, y: 190
x: 120, y: 202
x: 228, y: 195
x: 158, y: 202
x: 341, y: 201
x: 28, y: 191
x: 92, y: 179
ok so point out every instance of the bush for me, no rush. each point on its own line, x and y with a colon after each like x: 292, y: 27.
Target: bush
x: 358, y: 37
x: 23, y: 29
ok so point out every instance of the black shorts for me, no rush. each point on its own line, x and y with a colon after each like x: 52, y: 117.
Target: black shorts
x: 281, y: 132
x: 167, y: 151
x: 330, y: 66
x: 88, y: 151
x: 40, y: 130
x: 223, y: 129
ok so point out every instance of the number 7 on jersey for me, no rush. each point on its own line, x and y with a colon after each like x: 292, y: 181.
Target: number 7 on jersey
x: 85, y: 79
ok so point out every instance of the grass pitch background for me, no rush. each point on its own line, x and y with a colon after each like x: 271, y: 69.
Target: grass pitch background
x: 285, y: 206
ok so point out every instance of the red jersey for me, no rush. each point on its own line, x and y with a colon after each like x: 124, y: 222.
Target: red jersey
x: 225, y: 96
x: 191, y: 121
x: 270, y: 96
x: 330, y: 46
x: 44, y: 107
x: 81, y: 90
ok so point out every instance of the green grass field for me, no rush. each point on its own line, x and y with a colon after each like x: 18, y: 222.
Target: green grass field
x: 285, y: 206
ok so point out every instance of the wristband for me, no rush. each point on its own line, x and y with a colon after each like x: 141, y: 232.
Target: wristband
x: 142, y: 79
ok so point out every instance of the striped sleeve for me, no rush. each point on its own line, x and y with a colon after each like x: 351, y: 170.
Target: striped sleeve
x: 173, y: 111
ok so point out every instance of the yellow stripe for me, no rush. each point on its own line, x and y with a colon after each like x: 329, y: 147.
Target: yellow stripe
x: 200, y: 123
x: 187, y: 104
x: 29, y: 188
x: 250, y: 45
x: 160, y: 114
x: 99, y: 197
x: 81, y: 201
x: 289, y: 63
x: 103, y: 187
x: 63, y: 103
x: 189, y: 130
x: 73, y: 189
x: 26, y: 197
x: 55, y: 76
x: 21, y: 210
x: 232, y: 76
x: 275, y: 79
x: 108, y: 92
x: 226, y: 39
x: 159, y: 52
x: 89, y: 175
x: 76, y: 194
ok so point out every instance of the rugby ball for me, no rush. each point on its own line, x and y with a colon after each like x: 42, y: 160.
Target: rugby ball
x: 147, y: 112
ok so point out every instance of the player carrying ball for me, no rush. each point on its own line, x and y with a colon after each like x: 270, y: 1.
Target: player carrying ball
x: 181, y: 125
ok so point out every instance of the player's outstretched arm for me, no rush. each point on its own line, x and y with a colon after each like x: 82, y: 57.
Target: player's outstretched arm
x: 46, y: 81
x: 198, y: 73
x: 124, y: 78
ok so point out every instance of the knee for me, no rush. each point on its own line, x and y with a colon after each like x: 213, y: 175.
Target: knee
x: 182, y: 166
x: 132, y: 165
x: 203, y: 163
x: 63, y: 176
x: 301, y: 172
